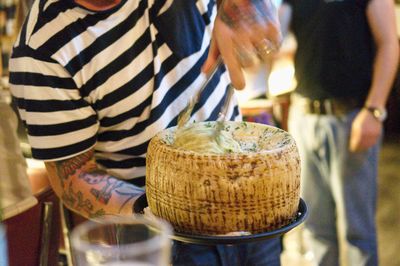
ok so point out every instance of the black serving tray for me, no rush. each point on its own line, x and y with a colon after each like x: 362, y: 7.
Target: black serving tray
x: 301, y: 215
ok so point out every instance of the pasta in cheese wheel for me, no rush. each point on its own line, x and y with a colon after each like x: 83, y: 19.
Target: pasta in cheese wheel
x: 248, y: 181
x: 203, y: 138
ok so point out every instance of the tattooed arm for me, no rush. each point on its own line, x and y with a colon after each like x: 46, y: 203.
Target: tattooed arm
x: 88, y: 190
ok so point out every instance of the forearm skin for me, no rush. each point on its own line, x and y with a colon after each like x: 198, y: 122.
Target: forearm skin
x: 88, y: 190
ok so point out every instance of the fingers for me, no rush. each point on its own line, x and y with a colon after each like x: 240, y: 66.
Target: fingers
x: 365, y: 132
x: 245, y: 33
x: 256, y: 19
x: 273, y: 33
x: 264, y: 49
x: 256, y: 45
x: 229, y: 55
x: 360, y: 142
x: 212, y: 56
x: 235, y: 70
x: 244, y: 50
x: 355, y: 141
x: 224, y: 37
x: 260, y: 39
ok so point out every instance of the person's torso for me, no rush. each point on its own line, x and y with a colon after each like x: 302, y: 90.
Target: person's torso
x: 335, y: 48
x: 136, y: 65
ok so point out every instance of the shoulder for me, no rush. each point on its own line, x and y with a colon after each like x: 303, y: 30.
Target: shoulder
x: 44, y: 20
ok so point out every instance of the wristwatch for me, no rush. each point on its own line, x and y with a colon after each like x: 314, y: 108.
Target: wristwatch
x: 379, y: 113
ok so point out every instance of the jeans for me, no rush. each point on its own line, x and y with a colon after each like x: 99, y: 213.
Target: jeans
x: 265, y: 253
x: 339, y: 187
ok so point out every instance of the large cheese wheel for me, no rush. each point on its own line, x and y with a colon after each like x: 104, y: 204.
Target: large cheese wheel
x: 204, y: 193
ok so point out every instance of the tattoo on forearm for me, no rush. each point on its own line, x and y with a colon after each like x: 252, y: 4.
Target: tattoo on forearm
x: 101, y: 186
x: 130, y: 192
x: 248, y: 12
x: 228, y: 13
x: 76, y: 201
x: 69, y: 167
x: 109, y: 185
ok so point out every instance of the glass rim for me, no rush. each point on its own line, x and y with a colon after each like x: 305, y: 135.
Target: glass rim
x: 150, y: 245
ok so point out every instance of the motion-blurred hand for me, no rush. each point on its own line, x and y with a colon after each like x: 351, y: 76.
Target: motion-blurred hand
x: 245, y: 32
x: 365, y: 131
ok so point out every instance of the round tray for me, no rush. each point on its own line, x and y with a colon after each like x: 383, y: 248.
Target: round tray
x: 301, y: 215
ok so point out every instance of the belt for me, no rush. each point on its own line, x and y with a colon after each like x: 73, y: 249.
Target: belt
x: 336, y: 107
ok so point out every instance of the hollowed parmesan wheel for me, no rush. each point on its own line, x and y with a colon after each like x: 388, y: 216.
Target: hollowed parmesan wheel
x: 256, y: 190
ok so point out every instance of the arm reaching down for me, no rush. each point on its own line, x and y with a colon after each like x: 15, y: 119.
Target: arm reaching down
x: 88, y: 190
x: 366, y: 130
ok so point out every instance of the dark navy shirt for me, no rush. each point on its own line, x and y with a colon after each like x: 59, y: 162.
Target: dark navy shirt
x: 335, y: 51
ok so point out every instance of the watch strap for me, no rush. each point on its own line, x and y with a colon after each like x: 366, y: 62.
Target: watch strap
x: 379, y: 113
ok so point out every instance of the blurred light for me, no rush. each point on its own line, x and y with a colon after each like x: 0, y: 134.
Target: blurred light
x: 281, y: 79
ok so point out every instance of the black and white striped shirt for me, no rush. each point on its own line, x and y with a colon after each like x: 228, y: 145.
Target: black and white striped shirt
x: 111, y: 80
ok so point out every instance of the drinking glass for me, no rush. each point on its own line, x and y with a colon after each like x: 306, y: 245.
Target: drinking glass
x: 135, y: 241
x: 3, y: 245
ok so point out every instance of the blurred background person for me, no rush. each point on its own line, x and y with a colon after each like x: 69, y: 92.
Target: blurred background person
x: 15, y: 186
x: 345, y: 63
x: 15, y: 190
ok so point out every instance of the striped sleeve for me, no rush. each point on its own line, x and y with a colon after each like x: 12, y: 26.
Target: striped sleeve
x: 60, y: 122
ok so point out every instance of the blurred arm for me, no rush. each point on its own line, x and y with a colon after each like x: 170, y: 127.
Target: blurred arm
x: 88, y: 190
x: 366, y: 130
x: 382, y: 21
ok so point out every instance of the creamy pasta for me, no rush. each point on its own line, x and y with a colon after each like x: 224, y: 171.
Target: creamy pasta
x: 201, y: 137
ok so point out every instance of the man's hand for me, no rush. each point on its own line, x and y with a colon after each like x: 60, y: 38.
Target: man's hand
x: 365, y: 131
x: 245, y: 31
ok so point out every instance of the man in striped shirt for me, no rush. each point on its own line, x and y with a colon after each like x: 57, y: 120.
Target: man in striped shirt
x: 96, y: 80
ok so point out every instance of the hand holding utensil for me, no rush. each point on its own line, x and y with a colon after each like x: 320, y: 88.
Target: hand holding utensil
x: 245, y: 32
x: 185, y: 114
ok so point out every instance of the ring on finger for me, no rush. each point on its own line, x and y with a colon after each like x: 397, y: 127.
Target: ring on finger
x: 264, y: 48
x: 246, y: 57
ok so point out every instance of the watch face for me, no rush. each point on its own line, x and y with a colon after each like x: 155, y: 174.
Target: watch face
x: 378, y: 113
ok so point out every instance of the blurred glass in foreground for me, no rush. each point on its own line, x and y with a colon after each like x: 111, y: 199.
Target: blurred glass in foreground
x: 135, y: 241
